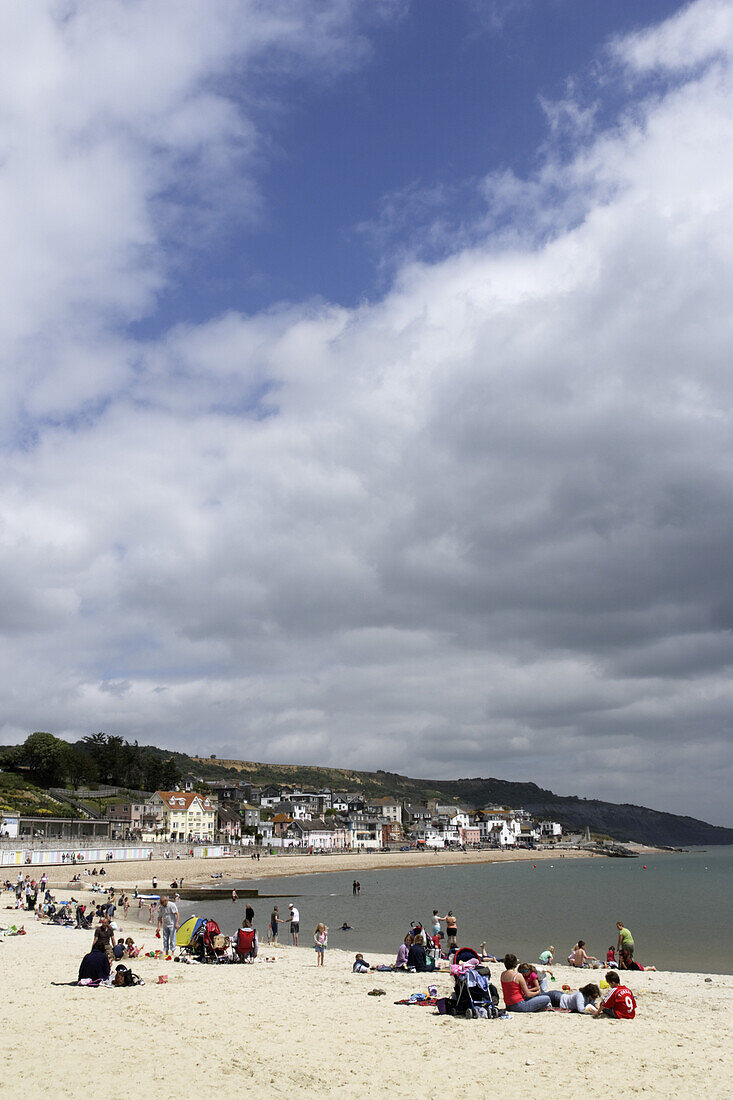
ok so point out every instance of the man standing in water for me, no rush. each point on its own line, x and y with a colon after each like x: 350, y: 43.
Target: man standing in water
x: 294, y: 919
x: 625, y: 945
x: 275, y: 920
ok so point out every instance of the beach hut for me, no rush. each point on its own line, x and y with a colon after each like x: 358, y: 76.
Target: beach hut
x: 187, y: 931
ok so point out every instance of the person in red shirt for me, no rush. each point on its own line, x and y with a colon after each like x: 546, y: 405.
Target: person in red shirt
x: 619, y: 1002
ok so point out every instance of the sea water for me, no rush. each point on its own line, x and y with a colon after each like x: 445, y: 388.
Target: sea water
x: 679, y: 907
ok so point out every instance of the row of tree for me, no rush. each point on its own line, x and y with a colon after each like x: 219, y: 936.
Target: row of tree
x: 101, y: 758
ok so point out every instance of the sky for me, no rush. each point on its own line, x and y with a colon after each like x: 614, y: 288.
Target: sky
x: 366, y: 385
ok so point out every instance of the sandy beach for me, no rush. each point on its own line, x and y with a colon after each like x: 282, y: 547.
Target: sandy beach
x: 286, y: 1028
x: 198, y: 871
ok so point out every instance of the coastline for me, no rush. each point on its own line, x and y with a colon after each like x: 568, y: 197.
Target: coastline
x: 198, y: 871
x: 289, y: 1029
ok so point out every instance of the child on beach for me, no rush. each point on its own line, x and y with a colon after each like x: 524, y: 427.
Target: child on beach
x: 619, y: 1002
x: 580, y: 958
x: 582, y: 1001
x: 361, y: 966
x: 321, y: 942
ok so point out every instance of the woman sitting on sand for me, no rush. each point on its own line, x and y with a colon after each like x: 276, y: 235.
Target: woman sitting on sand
x: 402, y: 953
x: 581, y: 1001
x: 517, y: 996
x: 416, y: 958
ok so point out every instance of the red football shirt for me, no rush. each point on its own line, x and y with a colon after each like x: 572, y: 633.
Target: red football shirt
x: 621, y: 1001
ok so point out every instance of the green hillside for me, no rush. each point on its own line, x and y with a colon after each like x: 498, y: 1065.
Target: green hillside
x: 46, y: 761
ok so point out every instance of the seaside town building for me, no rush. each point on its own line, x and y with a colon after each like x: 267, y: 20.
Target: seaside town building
x: 188, y: 816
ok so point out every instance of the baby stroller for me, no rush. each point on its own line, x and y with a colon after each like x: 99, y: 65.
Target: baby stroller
x: 207, y: 943
x: 474, y: 996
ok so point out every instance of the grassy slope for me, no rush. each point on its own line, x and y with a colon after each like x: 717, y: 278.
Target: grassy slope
x: 620, y: 821
x: 18, y: 795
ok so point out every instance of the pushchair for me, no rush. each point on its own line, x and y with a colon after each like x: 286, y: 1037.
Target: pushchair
x: 474, y: 996
x: 207, y: 943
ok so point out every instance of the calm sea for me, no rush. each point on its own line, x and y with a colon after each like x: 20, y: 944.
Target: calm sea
x: 679, y: 909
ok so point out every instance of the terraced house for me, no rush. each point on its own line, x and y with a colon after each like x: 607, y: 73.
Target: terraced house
x: 188, y: 816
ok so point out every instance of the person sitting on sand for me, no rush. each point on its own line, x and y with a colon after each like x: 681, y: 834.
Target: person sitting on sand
x: 582, y: 1001
x: 95, y: 966
x: 247, y: 943
x: 529, y: 974
x: 611, y: 956
x: 416, y: 958
x: 581, y: 959
x: 402, y: 952
x: 536, y: 978
x: 517, y: 996
x: 547, y: 956
x: 361, y: 966
x: 118, y: 950
x: 131, y: 951
x: 619, y: 1003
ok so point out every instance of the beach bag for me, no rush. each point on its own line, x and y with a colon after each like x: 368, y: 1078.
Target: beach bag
x: 219, y: 942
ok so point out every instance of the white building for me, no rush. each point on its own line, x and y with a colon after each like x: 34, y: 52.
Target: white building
x: 364, y: 832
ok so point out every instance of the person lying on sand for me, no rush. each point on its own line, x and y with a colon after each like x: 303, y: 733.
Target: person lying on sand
x: 582, y: 1001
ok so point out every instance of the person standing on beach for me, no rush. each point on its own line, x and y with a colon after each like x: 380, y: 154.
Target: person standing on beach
x: 321, y: 943
x: 451, y: 928
x: 249, y: 914
x: 625, y: 945
x: 294, y: 919
x: 168, y: 921
x: 275, y: 919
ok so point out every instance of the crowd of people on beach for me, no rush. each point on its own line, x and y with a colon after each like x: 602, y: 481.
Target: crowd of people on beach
x: 525, y: 987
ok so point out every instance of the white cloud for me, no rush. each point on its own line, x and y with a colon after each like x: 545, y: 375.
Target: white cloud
x: 480, y: 526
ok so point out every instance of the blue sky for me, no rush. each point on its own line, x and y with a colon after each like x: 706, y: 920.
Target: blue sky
x: 365, y: 394
x: 448, y: 91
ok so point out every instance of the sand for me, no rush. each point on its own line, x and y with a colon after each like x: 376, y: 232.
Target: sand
x: 198, y: 870
x: 288, y: 1029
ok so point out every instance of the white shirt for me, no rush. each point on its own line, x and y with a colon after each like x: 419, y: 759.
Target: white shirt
x: 295, y: 915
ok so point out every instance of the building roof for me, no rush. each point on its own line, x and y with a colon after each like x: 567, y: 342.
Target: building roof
x: 317, y: 825
x: 182, y: 800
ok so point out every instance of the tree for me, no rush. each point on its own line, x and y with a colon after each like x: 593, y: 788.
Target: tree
x: 108, y: 753
x: 80, y: 767
x: 46, y: 757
